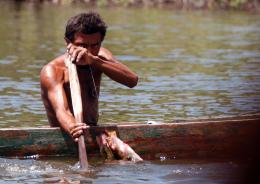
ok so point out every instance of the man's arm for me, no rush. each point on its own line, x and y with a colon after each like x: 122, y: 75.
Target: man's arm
x: 117, y: 71
x: 105, y: 62
x: 52, y: 86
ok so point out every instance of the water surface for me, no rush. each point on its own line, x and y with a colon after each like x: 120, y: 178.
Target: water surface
x: 156, y: 172
x: 190, y: 65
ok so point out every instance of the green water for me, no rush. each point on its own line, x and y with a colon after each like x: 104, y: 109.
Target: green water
x: 190, y: 65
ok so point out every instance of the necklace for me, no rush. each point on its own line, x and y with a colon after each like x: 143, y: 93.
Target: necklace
x: 69, y: 60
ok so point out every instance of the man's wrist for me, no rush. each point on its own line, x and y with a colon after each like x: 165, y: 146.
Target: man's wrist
x: 97, y: 61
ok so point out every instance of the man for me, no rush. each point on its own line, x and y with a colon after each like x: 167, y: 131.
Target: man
x: 84, y: 35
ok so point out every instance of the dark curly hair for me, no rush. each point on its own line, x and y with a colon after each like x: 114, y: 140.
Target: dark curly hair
x: 86, y: 23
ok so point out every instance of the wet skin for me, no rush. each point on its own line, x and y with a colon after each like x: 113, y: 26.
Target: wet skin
x: 87, y: 52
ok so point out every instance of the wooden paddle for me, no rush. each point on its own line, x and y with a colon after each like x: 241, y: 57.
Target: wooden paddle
x: 77, y: 109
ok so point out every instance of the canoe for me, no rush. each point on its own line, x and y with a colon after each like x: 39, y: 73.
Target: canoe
x: 236, y: 137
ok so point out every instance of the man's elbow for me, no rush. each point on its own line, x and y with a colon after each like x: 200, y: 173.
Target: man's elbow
x: 133, y: 82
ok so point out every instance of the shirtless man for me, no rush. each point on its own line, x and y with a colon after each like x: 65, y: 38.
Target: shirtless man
x: 84, y: 35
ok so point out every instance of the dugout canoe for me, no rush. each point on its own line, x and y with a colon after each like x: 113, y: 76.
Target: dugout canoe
x: 205, y: 138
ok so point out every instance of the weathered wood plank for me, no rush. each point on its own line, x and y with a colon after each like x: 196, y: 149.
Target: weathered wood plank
x: 217, y: 138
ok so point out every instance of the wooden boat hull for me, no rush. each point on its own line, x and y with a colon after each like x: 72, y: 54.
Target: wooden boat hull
x: 215, y: 138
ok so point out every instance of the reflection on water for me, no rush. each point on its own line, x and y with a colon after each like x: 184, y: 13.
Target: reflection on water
x: 190, y: 64
x: 185, y: 171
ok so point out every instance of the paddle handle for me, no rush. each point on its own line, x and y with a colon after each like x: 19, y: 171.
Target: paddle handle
x: 77, y: 109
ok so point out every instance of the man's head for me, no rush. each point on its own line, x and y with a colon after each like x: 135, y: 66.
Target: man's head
x: 86, y: 23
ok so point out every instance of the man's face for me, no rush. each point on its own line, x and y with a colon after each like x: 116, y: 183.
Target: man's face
x: 92, y: 42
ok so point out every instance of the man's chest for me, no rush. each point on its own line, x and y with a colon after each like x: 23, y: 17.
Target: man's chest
x: 89, y: 83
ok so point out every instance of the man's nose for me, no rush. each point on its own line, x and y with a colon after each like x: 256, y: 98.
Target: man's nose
x: 91, y: 50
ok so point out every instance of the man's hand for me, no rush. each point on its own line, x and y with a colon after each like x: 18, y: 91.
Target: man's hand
x: 77, y: 130
x: 80, y: 55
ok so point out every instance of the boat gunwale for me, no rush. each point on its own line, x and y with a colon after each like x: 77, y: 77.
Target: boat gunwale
x: 210, y: 138
x: 238, y: 119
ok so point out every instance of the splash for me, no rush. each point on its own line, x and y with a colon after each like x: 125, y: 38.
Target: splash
x: 29, y: 166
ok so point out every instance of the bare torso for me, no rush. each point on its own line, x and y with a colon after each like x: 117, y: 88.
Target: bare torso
x: 89, y: 91
x: 91, y: 63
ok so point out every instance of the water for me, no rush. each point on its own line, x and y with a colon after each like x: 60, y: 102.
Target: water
x: 156, y: 172
x: 190, y: 65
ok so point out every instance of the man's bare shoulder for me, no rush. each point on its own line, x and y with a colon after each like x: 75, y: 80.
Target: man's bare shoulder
x: 53, y: 72
x: 105, y: 53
